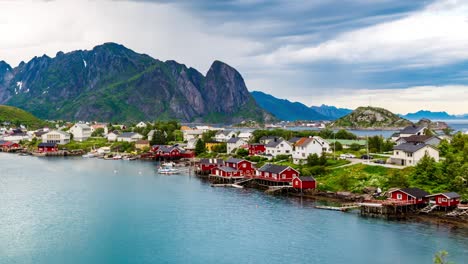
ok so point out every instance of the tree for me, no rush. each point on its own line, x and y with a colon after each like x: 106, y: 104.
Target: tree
x: 158, y: 138
x: 355, y: 147
x: 323, y: 159
x: 447, y: 131
x: 220, y: 148
x: 397, y: 179
x: 441, y: 257
x: 200, y: 147
x: 337, y: 146
x: 99, y: 132
x: 313, y: 160
x: 242, y: 152
x: 426, y: 171
x: 344, y: 134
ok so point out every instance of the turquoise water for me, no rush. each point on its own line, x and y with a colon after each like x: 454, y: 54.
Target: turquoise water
x: 96, y: 211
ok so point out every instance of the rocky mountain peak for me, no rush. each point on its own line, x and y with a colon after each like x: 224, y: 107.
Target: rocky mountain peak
x: 371, y: 117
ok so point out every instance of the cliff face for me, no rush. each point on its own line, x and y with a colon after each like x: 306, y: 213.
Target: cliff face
x: 371, y: 118
x: 113, y: 83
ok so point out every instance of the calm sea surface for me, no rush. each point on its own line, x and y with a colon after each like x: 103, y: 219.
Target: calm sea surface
x: 96, y: 211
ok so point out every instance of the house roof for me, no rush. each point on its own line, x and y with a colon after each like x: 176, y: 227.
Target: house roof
x: 415, y: 192
x: 273, y: 168
x: 396, y: 134
x: 245, y: 134
x: 417, y: 138
x: 223, y: 132
x: 450, y: 195
x: 227, y: 169
x: 234, y: 140
x: 274, y: 143
x: 293, y: 140
x: 268, y: 137
x: 83, y: 126
x: 307, y: 179
x: 410, y: 147
x: 234, y: 160
x: 45, y: 144
x: 411, y: 129
x: 211, y: 161
x: 304, y: 141
x: 128, y: 135
x: 59, y: 132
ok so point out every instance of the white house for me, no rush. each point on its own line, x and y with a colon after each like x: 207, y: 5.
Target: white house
x: 245, y: 135
x: 141, y: 125
x: 224, y: 135
x: 416, y: 139
x: 278, y: 146
x: 80, y: 132
x: 308, y: 146
x: 129, y: 137
x: 112, y: 136
x: 412, y: 130
x: 192, y: 134
x: 409, y: 154
x: 56, y: 136
x: 234, y: 143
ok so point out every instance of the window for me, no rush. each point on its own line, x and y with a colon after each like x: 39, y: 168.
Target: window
x: 399, y: 196
x: 244, y: 165
x: 397, y: 153
x: 283, y: 176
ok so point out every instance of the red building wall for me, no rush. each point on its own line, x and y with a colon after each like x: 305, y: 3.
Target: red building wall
x: 406, y: 197
x: 305, y: 184
x: 445, y: 202
x: 256, y: 149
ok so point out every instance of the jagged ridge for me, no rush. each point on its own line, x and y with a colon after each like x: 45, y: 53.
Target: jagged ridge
x: 113, y: 83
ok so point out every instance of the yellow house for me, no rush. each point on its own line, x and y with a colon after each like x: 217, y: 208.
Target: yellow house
x: 141, y: 144
x: 210, y: 145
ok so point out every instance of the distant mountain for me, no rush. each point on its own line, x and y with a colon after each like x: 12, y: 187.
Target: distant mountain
x: 331, y: 112
x: 428, y: 115
x: 113, y: 83
x: 286, y: 110
x: 371, y: 118
x: 18, y: 116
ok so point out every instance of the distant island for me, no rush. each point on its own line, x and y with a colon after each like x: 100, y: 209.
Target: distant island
x: 374, y: 118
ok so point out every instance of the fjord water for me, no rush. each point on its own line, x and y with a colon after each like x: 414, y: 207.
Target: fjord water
x: 95, y: 211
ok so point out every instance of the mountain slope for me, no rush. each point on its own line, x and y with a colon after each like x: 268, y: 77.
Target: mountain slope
x: 18, y: 116
x: 428, y: 115
x: 286, y: 110
x: 331, y: 112
x: 113, y: 83
x: 371, y: 118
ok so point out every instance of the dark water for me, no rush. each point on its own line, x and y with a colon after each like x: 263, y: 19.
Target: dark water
x: 96, y: 211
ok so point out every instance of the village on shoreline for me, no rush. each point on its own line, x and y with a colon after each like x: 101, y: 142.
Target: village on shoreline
x: 308, y: 163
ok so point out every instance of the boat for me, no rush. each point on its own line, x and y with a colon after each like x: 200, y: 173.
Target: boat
x: 89, y: 155
x: 168, y: 170
x: 117, y: 157
x: 168, y: 164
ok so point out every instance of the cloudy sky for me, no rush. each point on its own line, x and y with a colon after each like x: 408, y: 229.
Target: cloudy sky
x: 401, y: 55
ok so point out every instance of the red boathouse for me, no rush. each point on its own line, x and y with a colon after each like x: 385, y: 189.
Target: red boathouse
x: 47, y: 147
x: 304, y: 183
x: 245, y: 167
x: 413, y: 195
x: 226, y: 172
x: 277, y: 173
x: 445, y: 199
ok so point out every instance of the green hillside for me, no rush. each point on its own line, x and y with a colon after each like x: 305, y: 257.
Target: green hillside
x: 18, y: 116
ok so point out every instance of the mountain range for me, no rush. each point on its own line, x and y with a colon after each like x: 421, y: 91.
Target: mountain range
x: 113, y: 83
x: 291, y: 111
x: 432, y: 115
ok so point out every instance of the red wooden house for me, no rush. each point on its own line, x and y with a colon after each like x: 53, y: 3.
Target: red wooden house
x: 225, y: 171
x: 47, y: 147
x: 445, y: 199
x: 304, y: 183
x: 245, y: 167
x: 277, y: 173
x: 256, y: 149
x: 412, y: 195
x: 206, y: 165
x: 8, y: 145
